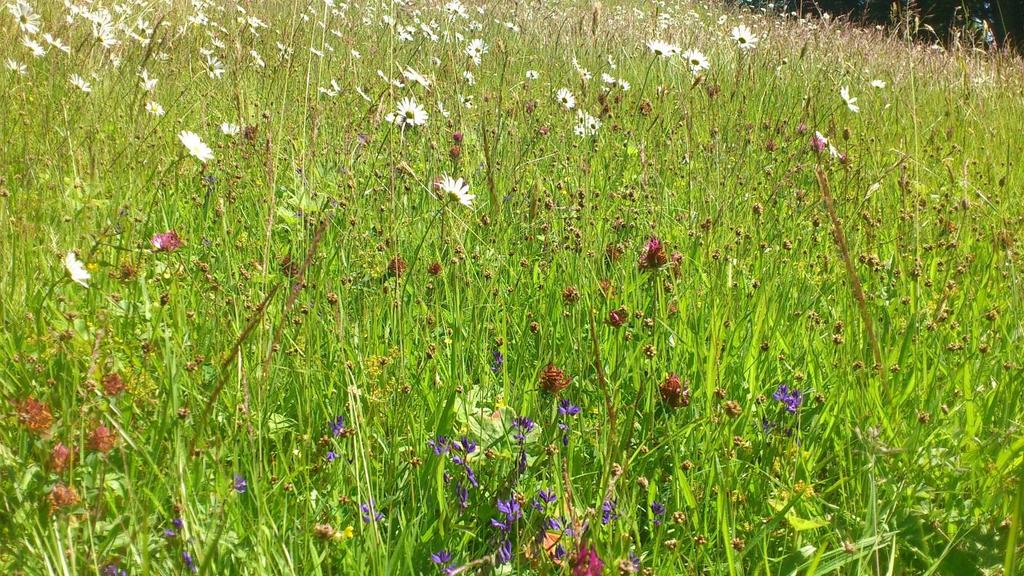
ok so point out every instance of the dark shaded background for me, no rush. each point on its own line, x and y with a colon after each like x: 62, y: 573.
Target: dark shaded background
x: 996, y: 23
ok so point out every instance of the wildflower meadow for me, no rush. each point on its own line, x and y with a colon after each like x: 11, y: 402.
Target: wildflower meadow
x: 523, y: 287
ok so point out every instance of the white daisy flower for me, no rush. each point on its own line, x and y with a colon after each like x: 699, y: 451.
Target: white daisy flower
x: 744, y: 38
x: 662, y: 49
x: 80, y: 83
x: 532, y: 75
x: 586, y: 125
x: 76, y: 269
x: 195, y: 146
x: 476, y: 49
x: 333, y: 90
x: 456, y: 8
x: 214, y: 67
x: 409, y: 114
x: 16, y: 67
x: 230, y: 129
x: 565, y: 98
x: 146, y: 83
x: 414, y: 76
x: 696, y: 60
x: 57, y: 43
x: 850, y: 101
x: 455, y: 190
x: 878, y: 84
x: 154, y: 108
x: 28, y: 20
x: 34, y: 47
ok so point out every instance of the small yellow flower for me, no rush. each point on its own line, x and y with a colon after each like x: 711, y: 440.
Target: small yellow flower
x: 346, y: 534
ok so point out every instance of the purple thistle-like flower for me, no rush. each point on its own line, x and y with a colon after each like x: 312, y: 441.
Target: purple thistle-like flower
x: 168, y: 533
x: 510, y: 508
x: 190, y: 563
x: 471, y: 476
x: 462, y: 493
x: 543, y: 499
x: 497, y: 361
x: 441, y: 557
x: 338, y: 426
x: 466, y: 445
x: 608, y: 512
x: 331, y: 455
x: 239, y: 484
x: 791, y: 399
x: 369, y: 512
x: 439, y: 445
x: 565, y: 433
x: 523, y: 426
x: 512, y: 511
x: 658, y: 509
x: 504, y: 555
x: 113, y: 569
x: 567, y: 408
x: 523, y: 423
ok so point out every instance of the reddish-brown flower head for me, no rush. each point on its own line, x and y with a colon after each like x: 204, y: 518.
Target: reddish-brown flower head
x: 674, y: 392
x: 677, y: 263
x: 102, y: 439
x: 60, y: 457
x: 62, y: 497
x: 397, y: 266
x: 653, y: 255
x: 113, y: 384
x: 35, y: 415
x: 554, y: 380
x: 166, y: 241
x: 570, y: 295
x: 618, y: 317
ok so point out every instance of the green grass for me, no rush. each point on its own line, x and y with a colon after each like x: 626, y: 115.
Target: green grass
x: 283, y: 310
